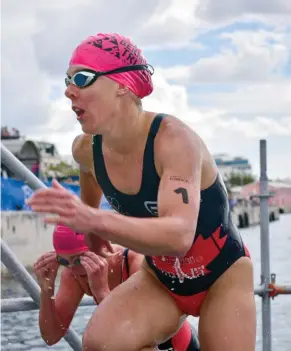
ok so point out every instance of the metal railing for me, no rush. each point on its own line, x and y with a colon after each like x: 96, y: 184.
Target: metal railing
x: 266, y: 290
x: 10, y: 260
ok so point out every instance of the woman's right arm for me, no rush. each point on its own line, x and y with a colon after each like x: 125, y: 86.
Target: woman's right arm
x: 91, y: 193
x: 56, y: 314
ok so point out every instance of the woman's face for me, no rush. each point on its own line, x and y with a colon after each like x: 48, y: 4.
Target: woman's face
x: 94, y: 105
x: 72, y: 262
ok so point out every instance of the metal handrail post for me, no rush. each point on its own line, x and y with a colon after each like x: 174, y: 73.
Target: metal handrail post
x: 18, y: 168
x: 21, y: 274
x: 27, y: 304
x: 7, y: 256
x: 265, y: 248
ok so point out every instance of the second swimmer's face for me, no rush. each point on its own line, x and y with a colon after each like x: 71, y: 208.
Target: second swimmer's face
x: 72, y: 262
x: 94, y: 105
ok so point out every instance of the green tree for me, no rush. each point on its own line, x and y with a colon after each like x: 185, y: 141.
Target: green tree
x: 62, y: 169
x: 239, y: 179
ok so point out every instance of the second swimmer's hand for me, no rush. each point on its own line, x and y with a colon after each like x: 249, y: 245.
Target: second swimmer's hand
x: 46, y: 269
x: 67, y: 207
x: 97, y: 271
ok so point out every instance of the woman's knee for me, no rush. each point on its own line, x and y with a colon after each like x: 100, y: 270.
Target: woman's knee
x: 228, y: 314
x: 93, y: 340
x: 96, y: 341
x: 111, y: 342
x: 99, y: 335
x: 228, y: 322
x: 109, y: 336
x: 118, y: 325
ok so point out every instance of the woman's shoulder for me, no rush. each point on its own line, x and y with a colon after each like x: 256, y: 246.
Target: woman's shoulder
x: 175, y: 126
x: 82, y: 150
x: 179, y: 135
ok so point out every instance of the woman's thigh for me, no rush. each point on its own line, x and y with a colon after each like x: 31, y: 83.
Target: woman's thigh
x: 136, y: 314
x: 228, y: 314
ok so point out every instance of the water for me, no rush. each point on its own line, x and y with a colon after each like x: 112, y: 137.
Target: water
x: 20, y: 329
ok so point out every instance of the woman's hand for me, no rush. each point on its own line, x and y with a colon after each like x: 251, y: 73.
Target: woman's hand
x: 46, y: 269
x: 97, y: 271
x: 68, y: 208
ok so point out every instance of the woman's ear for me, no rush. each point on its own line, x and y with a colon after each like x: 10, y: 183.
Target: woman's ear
x: 122, y: 90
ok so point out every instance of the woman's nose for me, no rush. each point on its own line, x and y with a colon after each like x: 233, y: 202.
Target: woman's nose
x: 71, y: 92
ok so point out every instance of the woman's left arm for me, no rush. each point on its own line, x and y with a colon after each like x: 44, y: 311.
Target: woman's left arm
x: 172, y: 233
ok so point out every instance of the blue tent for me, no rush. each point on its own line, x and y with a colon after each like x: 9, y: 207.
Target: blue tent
x: 15, y: 192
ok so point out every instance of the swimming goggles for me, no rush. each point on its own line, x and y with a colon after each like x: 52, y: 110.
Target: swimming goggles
x: 64, y: 262
x: 87, y: 77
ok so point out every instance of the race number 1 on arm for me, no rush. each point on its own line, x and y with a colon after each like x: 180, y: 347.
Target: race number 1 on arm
x: 172, y: 233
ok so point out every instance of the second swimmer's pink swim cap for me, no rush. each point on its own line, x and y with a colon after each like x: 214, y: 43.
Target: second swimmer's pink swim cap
x: 105, y: 52
x: 68, y: 242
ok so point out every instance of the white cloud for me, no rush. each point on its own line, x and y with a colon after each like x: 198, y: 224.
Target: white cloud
x: 253, y: 56
x: 61, y: 128
x: 220, y: 130
x: 258, y: 103
x: 227, y: 11
x: 223, y: 130
x: 38, y: 37
x: 37, y: 40
x: 24, y: 86
x: 174, y: 99
x: 271, y: 98
x: 174, y: 22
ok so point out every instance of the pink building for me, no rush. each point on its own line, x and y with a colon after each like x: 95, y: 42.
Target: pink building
x: 281, y: 191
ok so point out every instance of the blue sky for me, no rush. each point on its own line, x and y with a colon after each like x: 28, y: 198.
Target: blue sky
x: 229, y: 79
x: 211, y: 43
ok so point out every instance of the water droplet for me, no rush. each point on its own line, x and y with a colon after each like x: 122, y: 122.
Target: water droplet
x: 178, y: 269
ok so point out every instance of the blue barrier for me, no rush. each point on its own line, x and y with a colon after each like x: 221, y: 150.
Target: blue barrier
x: 15, y: 192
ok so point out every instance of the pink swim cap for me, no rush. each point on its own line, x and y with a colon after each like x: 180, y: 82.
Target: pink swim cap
x: 105, y: 52
x: 68, y: 242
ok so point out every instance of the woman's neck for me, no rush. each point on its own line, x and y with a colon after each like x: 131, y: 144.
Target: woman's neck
x: 127, y: 132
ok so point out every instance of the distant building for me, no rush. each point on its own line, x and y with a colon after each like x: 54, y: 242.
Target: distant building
x: 228, y: 165
x: 7, y: 133
x: 37, y: 156
x: 49, y: 156
x: 281, y: 194
x: 25, y: 150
